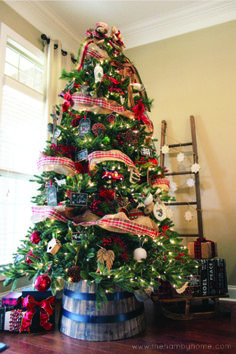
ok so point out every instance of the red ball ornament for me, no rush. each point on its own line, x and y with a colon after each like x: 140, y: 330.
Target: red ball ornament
x: 42, y: 283
x: 28, y: 260
x: 35, y: 237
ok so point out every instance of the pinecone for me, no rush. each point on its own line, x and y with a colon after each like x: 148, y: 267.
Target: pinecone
x: 74, y: 274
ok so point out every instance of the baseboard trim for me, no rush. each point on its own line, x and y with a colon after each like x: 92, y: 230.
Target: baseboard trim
x: 231, y: 293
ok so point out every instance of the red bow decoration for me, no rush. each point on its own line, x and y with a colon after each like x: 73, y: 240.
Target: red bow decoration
x: 139, y: 110
x: 46, y: 308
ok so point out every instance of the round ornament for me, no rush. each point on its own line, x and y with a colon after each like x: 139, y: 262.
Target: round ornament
x: 139, y: 254
x: 42, y: 283
x: 74, y: 274
x: 159, y: 211
x: 98, y: 128
x: 106, y: 140
x: 30, y: 254
x: 35, y: 237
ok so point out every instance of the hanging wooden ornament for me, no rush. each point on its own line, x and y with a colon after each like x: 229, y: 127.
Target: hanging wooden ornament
x: 52, y: 195
x: 53, y: 246
x: 159, y: 211
x: 107, y: 256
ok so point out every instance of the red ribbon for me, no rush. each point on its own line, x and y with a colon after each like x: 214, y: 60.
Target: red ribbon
x: 46, y: 308
x: 139, y: 110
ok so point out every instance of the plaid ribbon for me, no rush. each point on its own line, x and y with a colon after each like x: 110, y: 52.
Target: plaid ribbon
x: 82, y: 99
x: 198, y: 250
x: 94, y: 54
x: 42, y: 212
x: 47, y: 163
x: 114, y: 155
x: 112, y: 223
x: 160, y: 181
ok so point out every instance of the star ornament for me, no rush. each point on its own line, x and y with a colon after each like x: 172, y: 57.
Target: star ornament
x: 180, y: 157
x: 165, y: 149
x: 195, y: 168
x: 173, y: 187
x: 190, y: 182
x: 188, y: 216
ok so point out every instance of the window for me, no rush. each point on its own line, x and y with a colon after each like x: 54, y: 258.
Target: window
x: 22, y: 135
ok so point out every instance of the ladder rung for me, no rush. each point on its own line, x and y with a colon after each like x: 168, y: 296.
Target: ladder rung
x: 179, y: 173
x: 181, y: 203
x: 189, y: 235
x: 178, y: 145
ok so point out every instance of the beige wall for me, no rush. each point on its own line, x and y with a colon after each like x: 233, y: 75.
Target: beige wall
x: 195, y: 74
x: 19, y: 25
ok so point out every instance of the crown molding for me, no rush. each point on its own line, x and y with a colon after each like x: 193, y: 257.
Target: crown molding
x: 188, y: 19
x: 194, y: 16
x: 46, y: 21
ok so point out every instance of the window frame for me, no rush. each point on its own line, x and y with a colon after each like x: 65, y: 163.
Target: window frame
x: 6, y: 33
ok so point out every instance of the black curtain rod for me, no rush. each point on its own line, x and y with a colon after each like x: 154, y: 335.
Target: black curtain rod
x: 63, y: 52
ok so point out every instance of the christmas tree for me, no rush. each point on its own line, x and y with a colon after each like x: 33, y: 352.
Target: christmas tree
x: 100, y: 212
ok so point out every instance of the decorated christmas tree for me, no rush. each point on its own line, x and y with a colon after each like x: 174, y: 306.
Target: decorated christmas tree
x: 100, y: 213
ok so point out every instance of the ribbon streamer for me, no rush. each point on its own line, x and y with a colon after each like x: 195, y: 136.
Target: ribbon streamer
x: 114, y: 155
x: 61, y: 165
x: 120, y: 223
x: 46, y: 308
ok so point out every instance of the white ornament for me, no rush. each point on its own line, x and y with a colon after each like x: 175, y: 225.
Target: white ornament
x: 139, y: 254
x: 173, y: 187
x: 169, y: 213
x: 190, y: 182
x: 159, y: 211
x: 53, y: 246
x: 195, y: 168
x: 188, y: 215
x: 138, y: 87
x: 98, y: 73
x: 165, y: 149
x: 60, y: 182
x: 180, y: 157
x: 148, y: 200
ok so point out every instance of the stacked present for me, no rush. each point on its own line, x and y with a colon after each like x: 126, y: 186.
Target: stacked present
x: 210, y: 278
x: 202, y: 248
x: 30, y: 311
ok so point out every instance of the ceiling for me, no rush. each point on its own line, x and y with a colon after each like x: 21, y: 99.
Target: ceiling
x: 140, y: 22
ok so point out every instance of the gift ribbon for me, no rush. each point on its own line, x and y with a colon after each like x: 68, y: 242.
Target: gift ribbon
x: 45, y: 308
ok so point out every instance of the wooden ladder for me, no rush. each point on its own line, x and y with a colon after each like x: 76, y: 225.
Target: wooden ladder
x: 193, y: 143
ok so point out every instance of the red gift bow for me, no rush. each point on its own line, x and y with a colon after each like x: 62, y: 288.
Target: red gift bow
x: 139, y: 110
x: 45, y: 308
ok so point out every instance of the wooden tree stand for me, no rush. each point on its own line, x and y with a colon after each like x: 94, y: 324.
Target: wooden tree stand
x: 121, y: 317
x: 189, y: 308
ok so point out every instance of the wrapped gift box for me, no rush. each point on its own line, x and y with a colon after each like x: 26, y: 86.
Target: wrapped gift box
x: 165, y: 290
x: 2, y: 316
x: 202, y: 248
x: 13, y: 320
x: 39, y: 309
x: 12, y: 299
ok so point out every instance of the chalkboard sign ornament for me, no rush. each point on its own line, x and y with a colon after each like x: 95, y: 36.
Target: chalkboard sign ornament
x: 78, y: 199
x: 81, y: 155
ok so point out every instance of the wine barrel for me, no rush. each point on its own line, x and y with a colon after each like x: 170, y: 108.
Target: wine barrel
x: 122, y: 317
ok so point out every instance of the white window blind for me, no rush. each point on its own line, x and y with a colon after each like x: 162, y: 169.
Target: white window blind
x: 22, y: 136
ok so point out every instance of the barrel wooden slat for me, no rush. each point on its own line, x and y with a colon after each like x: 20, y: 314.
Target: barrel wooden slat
x: 123, y: 316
